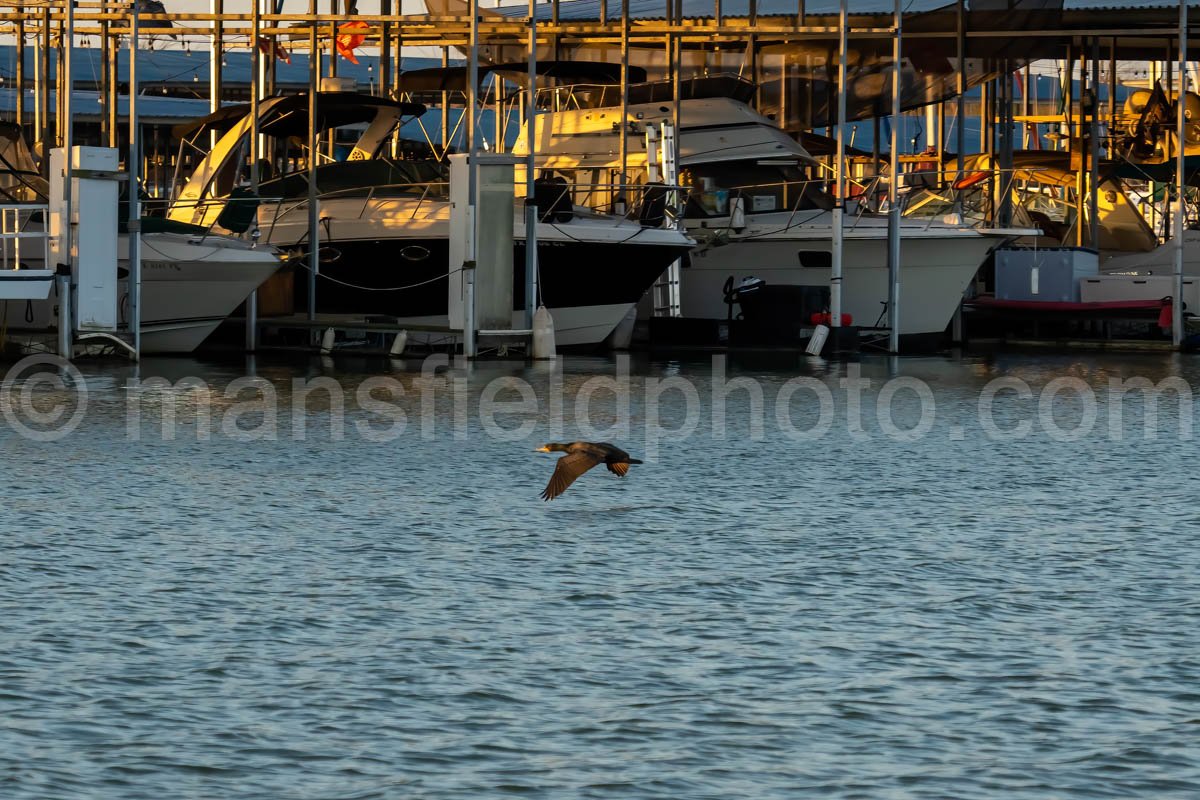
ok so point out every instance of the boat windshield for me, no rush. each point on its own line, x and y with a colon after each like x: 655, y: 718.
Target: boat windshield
x: 381, y: 177
x: 1050, y: 207
x: 20, y: 181
x: 970, y: 205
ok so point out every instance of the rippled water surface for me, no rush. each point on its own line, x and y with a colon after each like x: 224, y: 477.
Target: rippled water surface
x: 973, y: 613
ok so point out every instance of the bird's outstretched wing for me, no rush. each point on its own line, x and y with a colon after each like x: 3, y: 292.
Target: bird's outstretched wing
x: 618, y: 468
x: 568, y: 468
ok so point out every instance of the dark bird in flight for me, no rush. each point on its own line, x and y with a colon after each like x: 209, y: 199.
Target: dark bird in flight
x: 579, y: 458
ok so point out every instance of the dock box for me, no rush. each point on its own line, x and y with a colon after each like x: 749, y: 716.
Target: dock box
x: 1047, y: 274
x: 1110, y: 288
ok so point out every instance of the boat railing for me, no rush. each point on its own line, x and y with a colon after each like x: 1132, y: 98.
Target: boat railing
x: 650, y: 205
x: 17, y: 234
x: 654, y: 205
x: 371, y: 196
x: 964, y: 201
x: 567, y: 97
x: 422, y: 192
x: 791, y: 196
x: 372, y: 199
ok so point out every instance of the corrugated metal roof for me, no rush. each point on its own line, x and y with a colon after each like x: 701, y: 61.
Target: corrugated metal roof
x: 694, y: 9
x: 1126, y: 5
x: 156, y: 109
x: 177, y: 66
x: 698, y: 9
x: 87, y: 106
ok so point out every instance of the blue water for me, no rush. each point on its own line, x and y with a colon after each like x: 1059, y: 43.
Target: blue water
x: 852, y: 616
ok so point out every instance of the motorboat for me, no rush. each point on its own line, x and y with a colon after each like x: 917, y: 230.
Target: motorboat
x: 759, y: 206
x: 385, y: 219
x: 1112, y: 267
x: 192, y: 278
x: 1044, y: 191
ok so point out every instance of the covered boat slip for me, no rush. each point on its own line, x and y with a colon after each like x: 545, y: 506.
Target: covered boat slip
x: 192, y: 279
x: 385, y: 229
x: 803, y: 65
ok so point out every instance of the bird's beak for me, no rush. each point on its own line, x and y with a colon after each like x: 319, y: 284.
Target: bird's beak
x: 542, y: 449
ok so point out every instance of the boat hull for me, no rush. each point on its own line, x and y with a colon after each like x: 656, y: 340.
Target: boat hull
x: 934, y: 273
x: 1159, y: 261
x: 590, y: 274
x: 188, y: 288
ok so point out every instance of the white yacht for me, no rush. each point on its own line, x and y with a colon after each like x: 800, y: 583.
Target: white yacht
x: 192, y: 279
x: 756, y: 212
x: 385, y: 221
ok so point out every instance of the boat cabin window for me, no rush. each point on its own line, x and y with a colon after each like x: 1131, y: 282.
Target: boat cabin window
x: 764, y: 187
x: 815, y: 259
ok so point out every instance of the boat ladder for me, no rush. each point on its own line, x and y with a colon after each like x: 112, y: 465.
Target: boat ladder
x: 666, y: 292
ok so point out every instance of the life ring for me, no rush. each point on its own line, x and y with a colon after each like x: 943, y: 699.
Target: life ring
x: 967, y: 181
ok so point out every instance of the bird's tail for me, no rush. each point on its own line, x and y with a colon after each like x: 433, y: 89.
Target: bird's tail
x: 636, y: 461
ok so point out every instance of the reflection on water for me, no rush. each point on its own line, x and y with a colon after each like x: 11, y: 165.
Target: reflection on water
x: 852, y: 613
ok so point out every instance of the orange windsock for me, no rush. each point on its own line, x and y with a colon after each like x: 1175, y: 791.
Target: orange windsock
x: 347, y: 42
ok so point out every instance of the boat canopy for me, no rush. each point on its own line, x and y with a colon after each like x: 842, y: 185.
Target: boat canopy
x: 284, y: 118
x: 454, y: 79
x: 289, y: 116
x: 701, y: 87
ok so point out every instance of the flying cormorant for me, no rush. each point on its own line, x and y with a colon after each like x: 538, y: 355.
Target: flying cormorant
x: 579, y: 458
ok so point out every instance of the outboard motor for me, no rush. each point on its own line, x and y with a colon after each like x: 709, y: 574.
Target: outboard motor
x: 778, y: 314
x: 747, y: 289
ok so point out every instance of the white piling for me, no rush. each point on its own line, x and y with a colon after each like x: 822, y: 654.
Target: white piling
x: 531, y: 213
x: 470, y: 348
x: 135, y: 204
x: 67, y: 125
x: 327, y: 340
x: 839, y: 171
x: 894, y: 195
